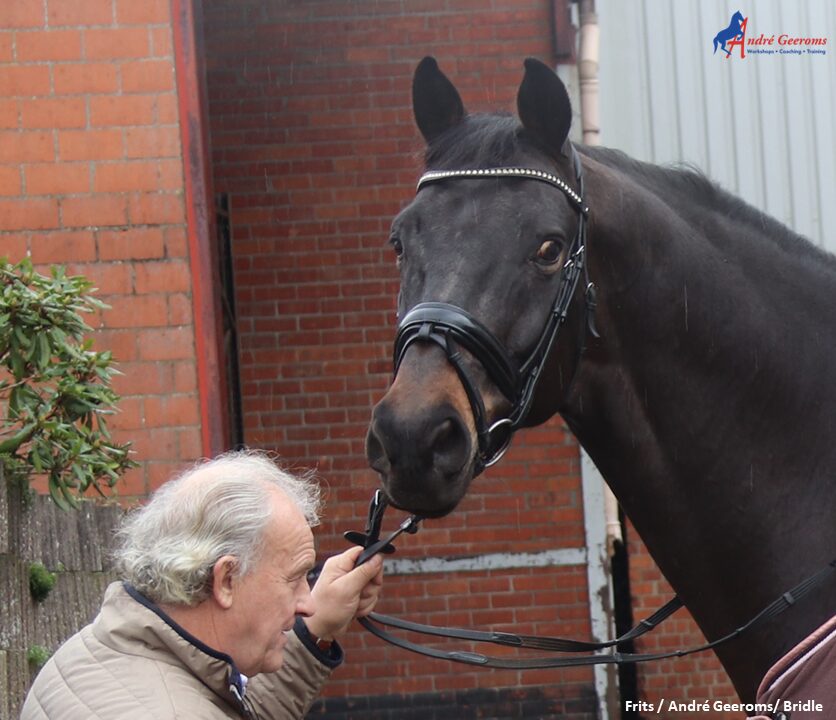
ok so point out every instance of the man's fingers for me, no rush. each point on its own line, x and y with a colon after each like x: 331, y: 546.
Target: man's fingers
x: 356, y: 578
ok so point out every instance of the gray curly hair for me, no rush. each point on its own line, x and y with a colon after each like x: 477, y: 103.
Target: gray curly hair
x: 168, y: 548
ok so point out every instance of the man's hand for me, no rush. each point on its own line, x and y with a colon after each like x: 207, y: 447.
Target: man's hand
x: 343, y: 593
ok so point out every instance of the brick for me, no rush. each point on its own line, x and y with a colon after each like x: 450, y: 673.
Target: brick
x: 168, y: 111
x: 127, y: 176
x: 136, y: 311
x: 24, y: 80
x: 6, y: 46
x: 13, y: 246
x: 63, y: 246
x: 170, y: 174
x: 147, y: 76
x: 176, y: 242
x: 131, y: 414
x: 172, y: 410
x: 116, y: 43
x: 185, y: 376
x: 29, y: 214
x: 94, y: 211
x: 76, y: 78
x: 9, y: 180
x: 90, y: 145
x: 22, y: 14
x: 27, y: 146
x: 148, y: 12
x: 54, y: 113
x: 57, y: 178
x: 122, y: 110
x: 131, y: 244
x: 123, y: 345
x: 146, y: 378
x: 156, y: 208
x: 163, y: 276
x: 48, y: 45
x: 190, y: 442
x: 161, y: 43
x: 157, y: 443
x: 133, y: 484
x: 110, y: 278
x: 167, y: 344
x: 147, y: 142
x: 74, y: 12
x: 180, y: 309
x: 9, y: 114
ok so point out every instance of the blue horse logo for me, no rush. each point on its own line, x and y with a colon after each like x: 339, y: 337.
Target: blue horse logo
x: 733, y: 34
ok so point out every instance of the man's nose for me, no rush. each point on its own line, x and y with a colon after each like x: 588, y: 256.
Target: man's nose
x: 305, y: 604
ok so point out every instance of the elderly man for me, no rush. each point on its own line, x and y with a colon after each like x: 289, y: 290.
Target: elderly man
x: 214, y: 617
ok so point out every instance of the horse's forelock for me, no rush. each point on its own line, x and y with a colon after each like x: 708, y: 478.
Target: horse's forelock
x: 482, y: 140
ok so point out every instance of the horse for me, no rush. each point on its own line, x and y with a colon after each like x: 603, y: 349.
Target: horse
x: 734, y: 29
x: 694, y: 364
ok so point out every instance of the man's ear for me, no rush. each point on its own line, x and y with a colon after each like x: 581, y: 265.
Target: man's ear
x: 224, y: 575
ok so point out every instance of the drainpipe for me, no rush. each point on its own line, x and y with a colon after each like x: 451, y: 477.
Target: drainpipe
x: 588, y: 72
x: 200, y: 223
x: 591, y: 128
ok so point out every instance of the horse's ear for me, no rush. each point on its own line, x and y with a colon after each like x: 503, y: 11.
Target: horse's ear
x: 435, y: 100
x: 543, y: 106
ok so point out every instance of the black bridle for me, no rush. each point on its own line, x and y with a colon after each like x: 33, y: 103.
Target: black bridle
x: 372, y: 544
x: 453, y: 328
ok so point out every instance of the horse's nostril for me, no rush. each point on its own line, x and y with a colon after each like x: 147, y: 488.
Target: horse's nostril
x: 449, y: 445
x: 376, y: 453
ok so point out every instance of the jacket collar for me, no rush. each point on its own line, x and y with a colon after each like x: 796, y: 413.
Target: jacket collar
x: 130, y: 622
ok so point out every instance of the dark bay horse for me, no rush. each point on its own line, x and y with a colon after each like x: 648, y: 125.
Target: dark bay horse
x: 706, y: 397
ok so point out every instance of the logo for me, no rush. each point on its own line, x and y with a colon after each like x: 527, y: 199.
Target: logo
x: 733, y: 37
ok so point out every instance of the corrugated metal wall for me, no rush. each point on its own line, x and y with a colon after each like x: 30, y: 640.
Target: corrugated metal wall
x: 763, y: 127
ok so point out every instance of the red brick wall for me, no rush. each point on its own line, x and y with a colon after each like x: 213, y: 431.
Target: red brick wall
x: 314, y: 140
x: 91, y: 177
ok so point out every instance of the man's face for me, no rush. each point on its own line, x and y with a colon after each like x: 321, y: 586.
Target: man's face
x: 267, y: 599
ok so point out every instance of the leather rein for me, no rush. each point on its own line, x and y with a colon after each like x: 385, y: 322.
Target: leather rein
x: 375, y: 622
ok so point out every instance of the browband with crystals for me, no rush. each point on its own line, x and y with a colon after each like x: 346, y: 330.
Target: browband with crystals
x: 432, y: 176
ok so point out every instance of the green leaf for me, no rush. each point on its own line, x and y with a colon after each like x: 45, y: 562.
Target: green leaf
x: 55, y: 492
x: 70, y: 496
x: 44, y: 351
x: 10, y: 445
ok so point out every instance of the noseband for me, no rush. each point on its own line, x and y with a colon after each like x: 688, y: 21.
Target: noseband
x: 453, y: 328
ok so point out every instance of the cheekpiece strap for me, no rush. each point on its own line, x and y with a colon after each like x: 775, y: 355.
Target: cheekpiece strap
x: 432, y: 176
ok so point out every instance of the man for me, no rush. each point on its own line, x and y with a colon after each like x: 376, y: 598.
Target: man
x: 214, y: 617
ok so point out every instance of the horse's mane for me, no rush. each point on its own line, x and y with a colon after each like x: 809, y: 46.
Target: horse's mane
x: 493, y: 140
x: 685, y: 186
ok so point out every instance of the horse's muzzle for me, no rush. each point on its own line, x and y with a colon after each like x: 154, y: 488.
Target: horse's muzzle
x: 422, y: 438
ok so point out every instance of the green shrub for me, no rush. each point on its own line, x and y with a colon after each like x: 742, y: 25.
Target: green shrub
x: 37, y: 655
x: 41, y: 581
x: 54, y: 388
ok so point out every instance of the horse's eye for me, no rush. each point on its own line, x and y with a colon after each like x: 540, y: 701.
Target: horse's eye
x: 397, y: 246
x: 549, y: 252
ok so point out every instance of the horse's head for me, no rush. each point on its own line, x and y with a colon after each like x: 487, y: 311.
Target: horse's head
x: 482, y: 259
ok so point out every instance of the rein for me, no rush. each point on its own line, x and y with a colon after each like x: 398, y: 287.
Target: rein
x: 373, y: 545
x: 453, y: 328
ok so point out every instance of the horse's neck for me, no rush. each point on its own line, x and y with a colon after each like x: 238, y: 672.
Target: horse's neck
x: 708, y: 406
